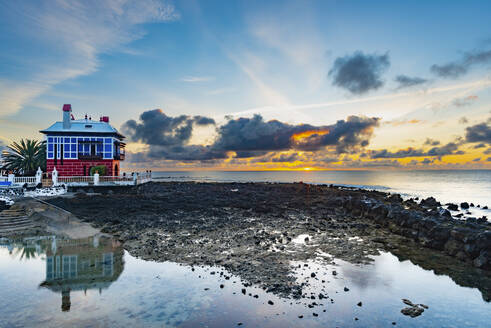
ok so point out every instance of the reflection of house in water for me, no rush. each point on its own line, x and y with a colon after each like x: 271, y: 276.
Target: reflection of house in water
x: 81, y: 264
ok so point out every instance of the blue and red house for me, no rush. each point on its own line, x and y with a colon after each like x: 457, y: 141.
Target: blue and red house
x: 74, y: 146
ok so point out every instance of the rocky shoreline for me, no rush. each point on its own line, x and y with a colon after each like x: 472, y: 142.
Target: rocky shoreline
x: 255, y: 230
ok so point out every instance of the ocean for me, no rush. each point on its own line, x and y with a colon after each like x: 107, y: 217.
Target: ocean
x: 447, y: 186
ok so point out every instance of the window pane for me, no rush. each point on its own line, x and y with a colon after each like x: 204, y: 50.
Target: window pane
x: 107, y: 148
x: 99, y: 139
x: 107, y: 140
x: 67, y: 140
x: 99, y: 148
x: 74, y: 140
x: 50, y: 139
x: 67, y: 147
x: 74, y: 147
x: 50, y: 147
x: 50, y: 155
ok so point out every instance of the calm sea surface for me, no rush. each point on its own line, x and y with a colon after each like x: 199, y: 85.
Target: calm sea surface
x: 445, y: 185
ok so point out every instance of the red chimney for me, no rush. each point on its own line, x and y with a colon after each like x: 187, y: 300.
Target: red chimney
x: 105, y: 119
x: 67, y: 108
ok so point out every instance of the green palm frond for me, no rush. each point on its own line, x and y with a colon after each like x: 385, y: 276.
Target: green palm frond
x: 25, y: 157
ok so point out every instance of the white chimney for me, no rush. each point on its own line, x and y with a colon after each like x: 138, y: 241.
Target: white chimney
x: 67, y: 119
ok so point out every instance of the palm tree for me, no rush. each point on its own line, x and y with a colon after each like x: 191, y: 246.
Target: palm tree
x: 25, y: 157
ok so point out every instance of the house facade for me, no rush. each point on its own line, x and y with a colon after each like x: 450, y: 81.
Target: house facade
x: 75, y: 146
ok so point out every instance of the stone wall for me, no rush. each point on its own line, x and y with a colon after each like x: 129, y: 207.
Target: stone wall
x: 75, y: 167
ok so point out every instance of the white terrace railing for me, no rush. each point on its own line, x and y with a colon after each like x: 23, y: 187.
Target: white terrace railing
x: 132, y: 179
x: 24, y: 180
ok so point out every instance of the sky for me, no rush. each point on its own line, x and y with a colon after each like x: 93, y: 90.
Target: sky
x: 255, y: 85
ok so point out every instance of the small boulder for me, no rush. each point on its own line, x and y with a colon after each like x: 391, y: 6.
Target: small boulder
x: 452, y: 207
x: 464, y: 205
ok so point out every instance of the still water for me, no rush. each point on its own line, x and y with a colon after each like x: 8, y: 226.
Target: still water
x: 49, y: 282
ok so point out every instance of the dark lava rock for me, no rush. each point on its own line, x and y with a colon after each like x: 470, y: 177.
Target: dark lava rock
x: 3, y: 206
x: 270, y: 303
x: 359, y: 304
x: 312, y: 275
x: 412, y: 311
x: 346, y: 289
x: 452, y: 207
x: 430, y: 202
x: 464, y: 205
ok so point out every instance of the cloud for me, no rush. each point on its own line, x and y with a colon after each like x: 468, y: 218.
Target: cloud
x: 431, y: 142
x: 197, y: 79
x: 255, y: 134
x: 466, y: 101
x: 476, y: 159
x: 168, y: 137
x: 372, y: 164
x: 359, y: 73
x: 407, y: 81
x: 286, y: 158
x: 156, y: 128
x: 487, y: 151
x: 449, y: 149
x: 463, y: 120
x: 461, y: 67
x: 488, y: 159
x: 403, y: 122
x: 479, y: 133
x: 71, y: 36
x: 481, y: 145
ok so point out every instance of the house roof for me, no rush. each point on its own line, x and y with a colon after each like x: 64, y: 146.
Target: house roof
x: 82, y: 126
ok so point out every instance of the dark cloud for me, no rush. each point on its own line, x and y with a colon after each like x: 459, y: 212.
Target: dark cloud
x: 359, y: 72
x: 487, y: 151
x: 407, y: 81
x: 186, y: 153
x: 156, y: 128
x: 255, y: 134
x: 370, y: 164
x: 481, y: 145
x: 488, y: 159
x: 168, y: 137
x: 286, y: 158
x: 431, y: 142
x: 479, y: 133
x: 463, y: 120
x: 449, y: 149
x: 476, y: 159
x: 462, y: 66
x: 427, y: 161
x: 466, y: 101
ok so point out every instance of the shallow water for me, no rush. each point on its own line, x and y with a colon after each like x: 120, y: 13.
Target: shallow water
x: 94, y: 283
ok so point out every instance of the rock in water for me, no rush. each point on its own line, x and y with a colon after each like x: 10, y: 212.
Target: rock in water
x: 464, y: 205
x: 452, y: 207
x: 412, y: 311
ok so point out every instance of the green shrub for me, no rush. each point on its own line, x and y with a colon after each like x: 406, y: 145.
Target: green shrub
x: 101, y: 169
